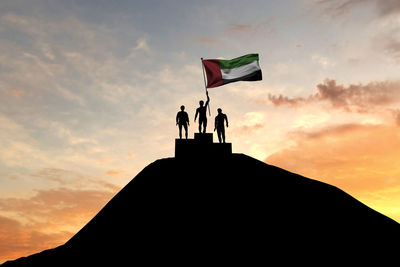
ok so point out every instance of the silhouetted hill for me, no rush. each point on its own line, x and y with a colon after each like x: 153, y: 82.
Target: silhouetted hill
x: 238, y: 210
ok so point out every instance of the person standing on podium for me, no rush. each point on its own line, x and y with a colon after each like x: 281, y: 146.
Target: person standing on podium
x: 182, y: 119
x: 219, y: 125
x: 202, y: 112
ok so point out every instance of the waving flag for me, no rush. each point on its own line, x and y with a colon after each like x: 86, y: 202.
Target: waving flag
x: 220, y: 71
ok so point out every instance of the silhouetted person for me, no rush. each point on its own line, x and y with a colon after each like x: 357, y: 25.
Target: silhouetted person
x: 202, y: 112
x: 182, y: 119
x: 219, y: 125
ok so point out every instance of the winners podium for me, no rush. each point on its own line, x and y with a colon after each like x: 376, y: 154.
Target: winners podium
x: 201, y: 146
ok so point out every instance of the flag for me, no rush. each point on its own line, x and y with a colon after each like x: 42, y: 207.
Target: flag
x: 220, y: 71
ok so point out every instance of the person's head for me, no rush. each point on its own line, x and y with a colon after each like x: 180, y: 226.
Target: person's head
x: 219, y: 111
x: 201, y: 103
x: 182, y: 107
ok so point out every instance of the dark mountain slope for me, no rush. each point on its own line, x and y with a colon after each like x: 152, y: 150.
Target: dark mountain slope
x: 224, y: 211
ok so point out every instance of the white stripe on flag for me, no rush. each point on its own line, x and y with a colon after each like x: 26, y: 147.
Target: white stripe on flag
x: 241, y: 71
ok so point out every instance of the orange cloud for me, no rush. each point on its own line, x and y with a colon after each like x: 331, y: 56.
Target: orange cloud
x: 113, y: 173
x: 16, y: 92
x: 61, y: 176
x: 396, y: 114
x: 247, y: 129
x: 253, y: 29
x: 46, y: 220
x: 17, y: 240
x: 240, y: 27
x: 360, y: 159
x: 207, y: 41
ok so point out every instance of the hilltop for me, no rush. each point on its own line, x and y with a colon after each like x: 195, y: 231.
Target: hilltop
x: 228, y: 210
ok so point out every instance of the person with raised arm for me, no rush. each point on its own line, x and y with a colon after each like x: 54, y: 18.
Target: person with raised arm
x: 202, y: 112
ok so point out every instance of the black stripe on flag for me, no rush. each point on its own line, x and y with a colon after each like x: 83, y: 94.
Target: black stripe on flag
x: 254, y: 76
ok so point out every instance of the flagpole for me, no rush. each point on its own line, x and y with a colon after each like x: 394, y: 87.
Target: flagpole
x: 205, y: 84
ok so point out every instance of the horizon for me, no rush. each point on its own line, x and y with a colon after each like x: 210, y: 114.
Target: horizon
x: 90, y: 91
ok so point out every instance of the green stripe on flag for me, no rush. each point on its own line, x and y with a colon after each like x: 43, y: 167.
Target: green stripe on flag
x: 237, y: 62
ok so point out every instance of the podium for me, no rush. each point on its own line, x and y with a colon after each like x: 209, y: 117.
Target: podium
x: 202, y: 146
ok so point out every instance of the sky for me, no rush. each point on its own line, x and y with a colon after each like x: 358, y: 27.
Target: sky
x: 89, y: 91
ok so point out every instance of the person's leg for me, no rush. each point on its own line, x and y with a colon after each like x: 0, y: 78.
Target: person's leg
x: 219, y: 135
x: 223, y: 134
x: 200, y: 122
x: 204, y: 125
x: 180, y: 131
x: 186, y: 130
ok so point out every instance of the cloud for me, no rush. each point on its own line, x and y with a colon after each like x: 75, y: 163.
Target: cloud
x: 45, y: 64
x: 384, y: 25
x: 360, y: 159
x: 240, y: 27
x: 60, y: 176
x: 17, y: 240
x: 388, y: 7
x: 251, y: 123
x: 207, y: 41
x: 64, y: 205
x: 114, y: 173
x: 246, y: 129
x: 330, y: 130
x: 340, y: 7
x: 252, y: 29
x: 22, y: 148
x: 324, y: 62
x: 392, y: 47
x: 336, y: 153
x: 141, y: 44
x: 73, y: 179
x: 64, y: 133
x: 284, y: 100
x: 47, y: 219
x: 362, y: 98
x: 16, y: 144
x: 396, y: 114
x: 17, y: 92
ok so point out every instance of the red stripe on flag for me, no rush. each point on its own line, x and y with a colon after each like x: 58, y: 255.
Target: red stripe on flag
x: 213, y: 72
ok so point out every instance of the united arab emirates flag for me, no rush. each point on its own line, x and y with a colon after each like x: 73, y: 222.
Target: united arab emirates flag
x: 220, y: 71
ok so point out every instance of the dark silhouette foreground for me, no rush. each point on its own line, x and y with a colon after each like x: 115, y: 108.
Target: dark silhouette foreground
x: 200, y: 148
x: 230, y: 210
x: 220, y: 119
x: 182, y: 119
x: 202, y: 112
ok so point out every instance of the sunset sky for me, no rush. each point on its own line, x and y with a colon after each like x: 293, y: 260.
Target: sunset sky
x: 89, y: 92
